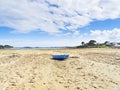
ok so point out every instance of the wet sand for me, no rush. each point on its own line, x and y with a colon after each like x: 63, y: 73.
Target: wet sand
x: 85, y: 69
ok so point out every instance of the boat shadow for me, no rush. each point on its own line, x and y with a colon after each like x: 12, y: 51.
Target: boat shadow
x: 58, y: 59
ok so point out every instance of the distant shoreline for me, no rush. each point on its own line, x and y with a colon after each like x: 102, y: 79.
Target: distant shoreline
x: 36, y: 48
x: 49, y: 48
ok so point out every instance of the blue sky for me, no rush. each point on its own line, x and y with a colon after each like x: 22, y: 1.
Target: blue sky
x: 47, y: 23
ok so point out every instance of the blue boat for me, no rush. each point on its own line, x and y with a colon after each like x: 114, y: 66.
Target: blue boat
x: 60, y: 57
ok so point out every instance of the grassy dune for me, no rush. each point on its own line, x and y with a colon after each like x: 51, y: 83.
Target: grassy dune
x: 86, y: 69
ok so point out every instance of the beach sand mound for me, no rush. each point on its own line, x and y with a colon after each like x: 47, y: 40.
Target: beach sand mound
x: 85, y: 69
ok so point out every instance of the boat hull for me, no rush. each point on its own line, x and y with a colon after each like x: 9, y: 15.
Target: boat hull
x: 60, y: 57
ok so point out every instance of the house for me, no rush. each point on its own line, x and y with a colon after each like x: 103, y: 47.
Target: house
x: 117, y: 45
x: 108, y: 43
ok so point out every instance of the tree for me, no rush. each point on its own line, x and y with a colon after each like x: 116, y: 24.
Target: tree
x: 83, y: 43
x: 91, y: 42
x: 1, y: 47
x: 5, y: 46
x: 8, y: 46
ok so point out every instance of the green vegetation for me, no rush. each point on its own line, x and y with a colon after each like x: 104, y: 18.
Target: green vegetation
x: 94, y: 44
x: 5, y: 46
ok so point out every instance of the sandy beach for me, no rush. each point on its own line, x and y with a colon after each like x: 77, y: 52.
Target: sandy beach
x: 85, y: 69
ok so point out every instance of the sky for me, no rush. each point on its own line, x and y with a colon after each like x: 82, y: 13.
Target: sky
x: 49, y: 23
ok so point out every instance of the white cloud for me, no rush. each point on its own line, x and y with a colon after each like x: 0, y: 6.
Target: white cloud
x: 106, y: 35
x: 67, y: 39
x: 39, y: 43
x: 30, y: 15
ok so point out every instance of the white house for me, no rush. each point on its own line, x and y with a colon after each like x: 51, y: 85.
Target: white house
x: 117, y: 45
